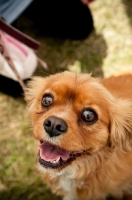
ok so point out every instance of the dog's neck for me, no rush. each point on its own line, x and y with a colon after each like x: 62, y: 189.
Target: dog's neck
x: 88, y: 169
x: 81, y: 167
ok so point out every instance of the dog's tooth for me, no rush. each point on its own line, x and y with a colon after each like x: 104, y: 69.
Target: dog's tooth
x: 57, y: 160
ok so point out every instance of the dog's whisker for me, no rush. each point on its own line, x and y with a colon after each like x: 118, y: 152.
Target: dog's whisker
x: 89, y: 151
x: 39, y: 113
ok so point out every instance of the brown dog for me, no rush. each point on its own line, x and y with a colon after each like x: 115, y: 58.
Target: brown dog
x: 84, y: 126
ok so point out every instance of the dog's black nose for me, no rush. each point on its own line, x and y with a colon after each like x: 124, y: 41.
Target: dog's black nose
x: 55, y: 126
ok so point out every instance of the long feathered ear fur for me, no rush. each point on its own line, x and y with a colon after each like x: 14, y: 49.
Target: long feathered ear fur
x: 121, y: 124
x: 32, y: 90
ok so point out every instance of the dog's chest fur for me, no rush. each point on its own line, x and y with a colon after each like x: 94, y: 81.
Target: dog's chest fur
x: 77, y: 185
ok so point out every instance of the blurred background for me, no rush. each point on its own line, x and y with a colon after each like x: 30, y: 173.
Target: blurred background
x: 106, y: 51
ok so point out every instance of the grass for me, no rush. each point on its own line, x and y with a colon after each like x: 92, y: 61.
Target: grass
x: 107, y: 51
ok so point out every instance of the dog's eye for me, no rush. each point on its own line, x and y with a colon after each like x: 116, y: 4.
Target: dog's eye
x: 89, y: 116
x: 47, y: 100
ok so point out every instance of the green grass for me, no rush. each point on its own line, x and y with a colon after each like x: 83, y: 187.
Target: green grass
x: 107, y: 51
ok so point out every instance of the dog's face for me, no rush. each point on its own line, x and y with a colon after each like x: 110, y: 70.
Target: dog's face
x: 71, y: 117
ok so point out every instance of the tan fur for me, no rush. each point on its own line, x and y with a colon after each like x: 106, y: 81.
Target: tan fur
x: 108, y: 170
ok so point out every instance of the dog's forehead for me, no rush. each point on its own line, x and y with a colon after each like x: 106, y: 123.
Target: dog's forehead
x: 66, y: 86
x: 73, y: 86
x: 78, y: 92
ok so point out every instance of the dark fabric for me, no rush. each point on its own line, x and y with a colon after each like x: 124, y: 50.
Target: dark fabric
x: 61, y: 18
x: 10, y: 86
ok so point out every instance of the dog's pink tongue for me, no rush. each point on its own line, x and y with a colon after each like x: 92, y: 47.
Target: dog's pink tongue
x: 49, y: 152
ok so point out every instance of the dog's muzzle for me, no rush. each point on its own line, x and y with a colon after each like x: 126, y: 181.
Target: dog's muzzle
x: 55, y: 126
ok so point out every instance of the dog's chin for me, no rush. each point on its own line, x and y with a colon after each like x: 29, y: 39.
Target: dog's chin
x: 54, y: 157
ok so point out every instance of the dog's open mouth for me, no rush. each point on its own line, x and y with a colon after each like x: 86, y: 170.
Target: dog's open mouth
x: 52, y: 156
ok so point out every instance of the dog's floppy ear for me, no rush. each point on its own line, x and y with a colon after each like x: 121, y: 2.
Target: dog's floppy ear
x: 121, y: 124
x: 33, y: 89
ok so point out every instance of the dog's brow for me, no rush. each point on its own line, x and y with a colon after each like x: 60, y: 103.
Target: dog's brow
x: 70, y: 95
